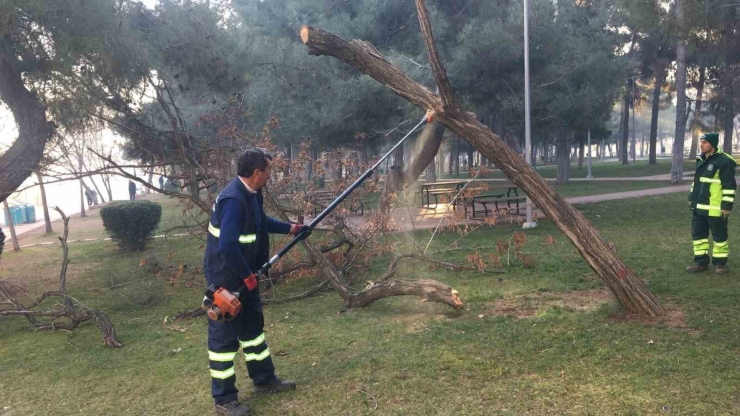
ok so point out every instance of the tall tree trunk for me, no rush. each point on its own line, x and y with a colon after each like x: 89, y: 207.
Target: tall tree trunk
x: 562, y: 151
x: 728, y: 88
x: 108, y: 188
x: 696, y: 122
x: 457, y: 157
x: 634, y: 122
x: 11, y: 226
x: 47, y: 218
x: 22, y: 158
x: 431, y: 172
x: 624, y: 156
x: 148, y: 180
x: 581, y: 147
x: 427, y: 146
x: 659, y: 79
x: 629, y: 289
x: 95, y: 185
x: 677, y: 166
x: 82, y: 189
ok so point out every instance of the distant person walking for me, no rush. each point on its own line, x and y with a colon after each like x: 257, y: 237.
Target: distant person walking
x: 94, y: 196
x: 161, y: 182
x: 131, y: 190
x: 89, y: 197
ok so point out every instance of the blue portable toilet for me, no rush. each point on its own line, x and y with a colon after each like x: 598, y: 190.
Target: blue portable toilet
x: 21, y: 214
x: 30, y: 213
x: 17, y: 214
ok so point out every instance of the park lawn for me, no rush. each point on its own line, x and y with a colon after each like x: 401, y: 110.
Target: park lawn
x: 541, y: 340
x: 603, y: 170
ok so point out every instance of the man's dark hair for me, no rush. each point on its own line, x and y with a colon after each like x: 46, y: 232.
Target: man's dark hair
x: 251, y: 159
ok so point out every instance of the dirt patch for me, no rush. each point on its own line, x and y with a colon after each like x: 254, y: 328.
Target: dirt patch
x: 674, y: 318
x: 531, y: 305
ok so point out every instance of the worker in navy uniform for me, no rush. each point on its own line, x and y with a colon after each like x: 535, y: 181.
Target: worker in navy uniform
x: 237, y: 246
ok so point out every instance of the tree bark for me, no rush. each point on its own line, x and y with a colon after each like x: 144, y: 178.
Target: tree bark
x: 11, y: 226
x: 624, y: 156
x: 728, y: 77
x: 83, y: 214
x: 696, y: 122
x: 425, y: 149
x: 149, y: 181
x: 629, y: 289
x: 562, y: 150
x: 23, y: 156
x: 47, y: 218
x: 678, y: 141
x: 659, y: 79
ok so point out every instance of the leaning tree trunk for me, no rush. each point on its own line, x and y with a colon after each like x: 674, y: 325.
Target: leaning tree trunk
x: 629, y: 289
x: 22, y: 158
x: 47, y: 218
x: 696, y: 122
x: 678, y: 140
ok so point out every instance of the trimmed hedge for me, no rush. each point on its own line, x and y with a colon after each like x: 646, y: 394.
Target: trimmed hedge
x: 131, y: 223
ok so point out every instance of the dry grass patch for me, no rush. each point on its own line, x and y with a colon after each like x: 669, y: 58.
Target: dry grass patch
x: 531, y: 305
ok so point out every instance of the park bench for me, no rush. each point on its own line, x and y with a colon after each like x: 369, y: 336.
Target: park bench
x: 490, y: 204
x: 322, y: 199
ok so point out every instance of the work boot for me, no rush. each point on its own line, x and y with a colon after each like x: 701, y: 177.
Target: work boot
x: 233, y: 408
x: 720, y: 269
x: 696, y: 269
x: 276, y: 386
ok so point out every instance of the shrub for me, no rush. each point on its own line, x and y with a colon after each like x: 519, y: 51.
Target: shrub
x: 131, y: 223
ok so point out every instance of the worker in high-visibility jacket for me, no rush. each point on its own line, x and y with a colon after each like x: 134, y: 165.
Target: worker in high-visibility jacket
x: 711, y: 197
x: 237, y: 245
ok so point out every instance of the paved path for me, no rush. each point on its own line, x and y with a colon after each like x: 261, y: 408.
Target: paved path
x: 414, y: 218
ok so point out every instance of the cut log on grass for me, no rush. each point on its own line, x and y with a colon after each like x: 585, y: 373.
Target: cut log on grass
x: 629, y: 289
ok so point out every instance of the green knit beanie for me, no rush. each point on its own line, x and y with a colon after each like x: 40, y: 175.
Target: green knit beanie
x: 711, y: 138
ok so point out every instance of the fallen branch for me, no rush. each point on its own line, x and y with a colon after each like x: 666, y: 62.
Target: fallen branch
x: 73, y: 310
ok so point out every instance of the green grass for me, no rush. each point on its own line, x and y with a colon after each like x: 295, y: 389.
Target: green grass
x: 409, y: 357
x: 602, y: 170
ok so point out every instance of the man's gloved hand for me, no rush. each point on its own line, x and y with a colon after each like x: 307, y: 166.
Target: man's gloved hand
x: 297, y: 229
x: 725, y: 213
x: 251, y: 282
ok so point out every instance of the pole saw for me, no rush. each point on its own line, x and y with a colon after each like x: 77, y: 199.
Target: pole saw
x: 221, y: 304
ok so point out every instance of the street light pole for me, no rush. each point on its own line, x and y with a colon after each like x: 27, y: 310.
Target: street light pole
x: 527, y: 119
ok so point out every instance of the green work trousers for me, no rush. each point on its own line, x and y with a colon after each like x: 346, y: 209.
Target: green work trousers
x: 700, y: 227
